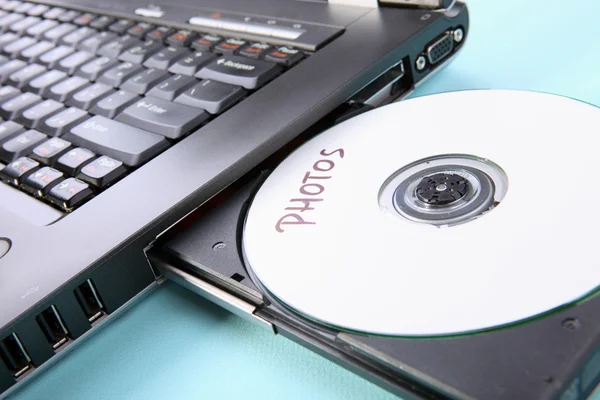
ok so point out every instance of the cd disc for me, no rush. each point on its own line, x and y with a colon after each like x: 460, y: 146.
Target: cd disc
x: 439, y: 215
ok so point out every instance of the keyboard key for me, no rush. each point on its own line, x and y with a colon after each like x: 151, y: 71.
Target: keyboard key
x: 69, y: 193
x: 159, y: 33
x: 42, y: 180
x: 60, y: 123
x: 102, y: 172
x: 8, y: 20
x: 229, y: 46
x: 93, y: 69
x: 23, y: 8
x: 40, y: 28
x: 7, y: 38
x: 212, y: 96
x: 20, y: 145
x: 248, y: 73
x: 87, y: 97
x: 32, y: 53
x: 52, y: 57
x: 121, y: 26
x: 11, y: 5
x: 163, y: 117
x: 32, y: 117
x: 140, y: 29
x: 68, y: 16
x: 116, y: 47
x: 165, y: 57
x: 255, y: 50
x: 37, y: 10
x: 56, y: 33
x: 84, y: 19
x: 70, y: 63
x: 119, y: 74
x: 77, y: 36
x: 41, y: 84
x: 16, y: 172
x: 50, y: 150
x: 172, y: 87
x: 206, y: 42
x: 102, y: 22
x: 8, y: 68
x: 21, y: 77
x: 13, y: 49
x: 140, y: 53
x: 8, y: 130
x: 65, y: 89
x: 72, y: 161
x: 13, y: 108
x: 53, y: 13
x: 182, y: 37
x: 145, y: 80
x: 92, y: 44
x: 114, y: 103
x: 192, y: 63
x: 8, y: 92
x: 22, y: 25
x: 128, y: 144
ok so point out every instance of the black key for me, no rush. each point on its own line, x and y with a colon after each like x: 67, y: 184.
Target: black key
x: 254, y: 50
x: 13, y: 49
x: 54, y: 13
x: 84, y: 19
x: 212, y: 96
x: 116, y: 47
x: 42, y: 84
x: 32, y: 117
x: 73, y: 160
x: 52, y: 57
x: 16, y: 172
x: 93, y: 69
x: 92, y: 44
x: 114, y: 103
x: 102, y: 171
x: 230, y: 46
x: 21, y: 77
x: 140, y: 53
x: 77, y: 36
x: 119, y: 74
x: 41, y: 181
x: 50, y: 150
x: 56, y: 33
x: 182, y: 37
x: 8, y: 20
x: 172, y: 87
x: 206, y: 42
x: 8, y: 92
x: 143, y: 81
x: 59, y: 123
x: 70, y: 63
x: 7, y: 38
x: 12, y: 108
x: 121, y: 26
x: 65, y: 89
x: 24, y: 24
x: 102, y: 22
x: 125, y: 143
x: 140, y: 29
x: 192, y: 63
x: 163, y: 117
x: 167, y: 56
x: 20, y: 145
x: 87, y: 97
x: 159, y: 33
x: 240, y: 71
x: 69, y: 193
x: 8, y: 130
x: 10, y: 67
x: 37, y: 10
x: 32, y: 53
x: 42, y: 27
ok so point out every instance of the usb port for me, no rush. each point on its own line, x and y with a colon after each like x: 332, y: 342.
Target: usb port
x: 53, y: 327
x: 14, y: 355
x: 89, y: 300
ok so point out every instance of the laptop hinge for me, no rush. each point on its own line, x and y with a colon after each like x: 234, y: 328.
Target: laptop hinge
x: 426, y: 4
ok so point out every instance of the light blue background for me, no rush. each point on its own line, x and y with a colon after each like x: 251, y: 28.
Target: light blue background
x: 174, y: 345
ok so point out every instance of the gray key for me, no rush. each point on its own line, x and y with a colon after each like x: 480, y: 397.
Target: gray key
x: 143, y: 81
x: 8, y: 20
x: 172, y: 87
x: 70, y: 63
x: 41, y: 27
x: 7, y: 93
x: 93, y: 43
x: 167, y: 56
x: 20, y: 145
x: 56, y: 33
x: 13, y: 49
x: 119, y: 74
x: 140, y: 53
x: 53, y: 56
x: 33, y: 116
x: 73, y: 38
x: 239, y: 71
x: 54, y: 13
x: 8, y: 130
x: 24, y: 7
x: 21, y: 77
x: 68, y: 16
x: 12, y: 108
x: 38, y: 10
x: 87, y: 97
x: 114, y: 103
x: 42, y: 84
x: 189, y: 65
x: 93, y: 69
x: 10, y: 67
x: 60, y: 123
x: 24, y: 24
x: 130, y: 145
x: 32, y: 53
x: 65, y: 89
x: 212, y: 96
x: 116, y: 47
x: 162, y: 117
x: 7, y: 37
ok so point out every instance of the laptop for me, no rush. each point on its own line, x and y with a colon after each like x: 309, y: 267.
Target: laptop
x: 118, y: 119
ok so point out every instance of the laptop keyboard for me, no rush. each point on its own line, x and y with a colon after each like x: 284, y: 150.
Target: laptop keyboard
x: 85, y: 99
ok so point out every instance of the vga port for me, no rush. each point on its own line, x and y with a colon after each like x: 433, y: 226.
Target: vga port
x: 439, y: 49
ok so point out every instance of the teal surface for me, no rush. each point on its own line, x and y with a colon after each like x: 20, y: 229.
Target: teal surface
x: 174, y: 345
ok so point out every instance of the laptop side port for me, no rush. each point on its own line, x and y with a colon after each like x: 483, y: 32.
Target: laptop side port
x: 90, y: 301
x: 53, y: 327
x: 14, y: 355
x: 439, y: 49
